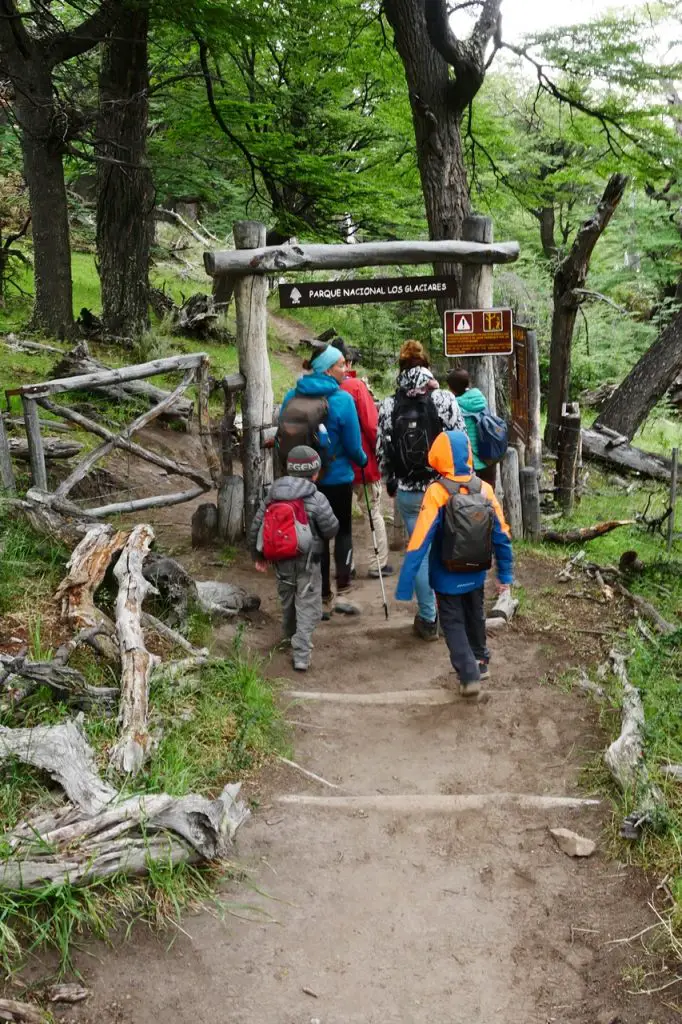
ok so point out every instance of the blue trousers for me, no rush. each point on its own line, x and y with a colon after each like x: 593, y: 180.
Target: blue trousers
x: 409, y: 504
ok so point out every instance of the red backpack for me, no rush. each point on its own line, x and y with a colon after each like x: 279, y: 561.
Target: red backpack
x: 286, y: 532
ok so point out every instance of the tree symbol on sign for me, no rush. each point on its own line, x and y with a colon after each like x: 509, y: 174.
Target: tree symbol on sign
x: 295, y: 296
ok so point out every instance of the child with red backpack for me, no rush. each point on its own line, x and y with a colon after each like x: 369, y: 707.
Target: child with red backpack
x: 463, y: 525
x: 289, y: 531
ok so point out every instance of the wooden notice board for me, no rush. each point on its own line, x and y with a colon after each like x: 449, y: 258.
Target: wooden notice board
x: 518, y: 386
x: 478, y: 332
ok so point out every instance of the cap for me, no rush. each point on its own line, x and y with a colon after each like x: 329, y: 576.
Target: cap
x: 303, y: 461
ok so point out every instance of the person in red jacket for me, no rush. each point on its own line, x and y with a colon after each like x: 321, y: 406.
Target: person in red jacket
x: 368, y: 416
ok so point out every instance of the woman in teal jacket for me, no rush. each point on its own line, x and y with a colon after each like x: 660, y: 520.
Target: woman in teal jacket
x: 342, y: 453
x: 472, y: 402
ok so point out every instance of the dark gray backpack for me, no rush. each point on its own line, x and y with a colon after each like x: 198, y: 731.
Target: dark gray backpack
x: 468, y: 521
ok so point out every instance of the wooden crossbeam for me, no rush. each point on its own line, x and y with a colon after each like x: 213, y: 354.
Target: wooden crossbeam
x: 282, y: 258
x: 88, y: 381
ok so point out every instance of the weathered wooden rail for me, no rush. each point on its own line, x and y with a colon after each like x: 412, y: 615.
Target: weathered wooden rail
x: 33, y: 396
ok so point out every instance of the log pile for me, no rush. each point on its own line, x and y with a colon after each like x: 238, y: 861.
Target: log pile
x: 98, y: 832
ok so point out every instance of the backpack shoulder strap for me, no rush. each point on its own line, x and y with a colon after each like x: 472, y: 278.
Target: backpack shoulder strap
x: 474, y: 485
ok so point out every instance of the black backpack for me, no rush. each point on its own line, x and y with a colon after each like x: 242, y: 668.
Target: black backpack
x: 416, y: 425
x: 299, y: 423
x: 468, y: 521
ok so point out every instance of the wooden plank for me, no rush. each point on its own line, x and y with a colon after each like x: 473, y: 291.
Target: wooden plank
x: 158, y: 501
x: 251, y: 293
x: 119, y: 441
x: 35, y: 444
x: 282, y: 258
x: 84, y: 467
x: 107, y: 377
x: 6, y: 471
x: 203, y: 394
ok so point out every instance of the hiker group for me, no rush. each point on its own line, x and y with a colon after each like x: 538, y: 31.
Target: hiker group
x: 436, y: 451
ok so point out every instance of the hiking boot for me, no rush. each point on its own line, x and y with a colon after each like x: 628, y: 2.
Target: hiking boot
x: 386, y: 570
x: 483, y: 669
x: 425, y: 630
x: 346, y: 608
x: 301, y: 663
x: 471, y: 689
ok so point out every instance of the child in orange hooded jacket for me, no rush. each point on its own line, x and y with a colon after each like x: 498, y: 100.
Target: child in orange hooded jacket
x: 459, y: 594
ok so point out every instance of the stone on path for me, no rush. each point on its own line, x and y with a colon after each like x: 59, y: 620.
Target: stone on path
x: 572, y: 844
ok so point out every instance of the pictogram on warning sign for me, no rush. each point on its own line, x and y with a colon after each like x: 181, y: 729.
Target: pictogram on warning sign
x: 492, y: 321
x: 478, y: 332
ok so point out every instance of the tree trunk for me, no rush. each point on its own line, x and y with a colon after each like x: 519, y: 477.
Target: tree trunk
x: 44, y: 172
x: 646, y: 383
x: 125, y: 198
x: 437, y: 124
x: 569, y: 279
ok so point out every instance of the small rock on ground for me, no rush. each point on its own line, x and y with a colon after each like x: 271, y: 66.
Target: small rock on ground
x: 572, y: 844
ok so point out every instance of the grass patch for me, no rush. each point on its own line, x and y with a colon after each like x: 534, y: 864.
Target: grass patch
x: 31, y: 566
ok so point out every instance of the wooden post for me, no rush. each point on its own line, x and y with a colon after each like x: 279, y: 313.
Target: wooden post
x: 231, y: 490
x: 477, y: 293
x: 251, y: 293
x: 567, y: 455
x: 673, y: 500
x: 530, y: 503
x: 6, y: 471
x: 511, y: 487
x: 35, y: 444
x: 534, y: 451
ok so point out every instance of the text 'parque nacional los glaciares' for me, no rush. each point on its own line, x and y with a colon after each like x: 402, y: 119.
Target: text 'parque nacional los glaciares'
x: 342, y: 293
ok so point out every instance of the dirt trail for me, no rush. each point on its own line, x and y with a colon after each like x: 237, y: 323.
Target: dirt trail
x: 389, y: 911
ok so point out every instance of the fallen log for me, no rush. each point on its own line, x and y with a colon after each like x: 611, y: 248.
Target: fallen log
x: 647, y: 610
x: 43, y: 515
x: 68, y: 683
x: 95, y: 836
x: 22, y: 1013
x: 134, y: 743
x: 624, y: 757
x: 222, y: 599
x: 53, y: 449
x: 63, y: 752
x: 585, y: 533
x: 86, y: 570
x: 505, y: 607
x: 599, y: 445
x: 32, y: 347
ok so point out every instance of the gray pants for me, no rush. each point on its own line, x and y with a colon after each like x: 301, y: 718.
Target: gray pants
x: 299, y: 585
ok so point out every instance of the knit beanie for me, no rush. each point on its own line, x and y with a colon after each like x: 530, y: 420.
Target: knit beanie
x: 303, y: 461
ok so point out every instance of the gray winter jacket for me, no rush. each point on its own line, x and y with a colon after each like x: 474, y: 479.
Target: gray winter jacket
x: 323, y: 522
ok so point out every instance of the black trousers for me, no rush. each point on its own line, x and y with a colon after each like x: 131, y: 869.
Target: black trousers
x: 462, y: 619
x: 340, y: 497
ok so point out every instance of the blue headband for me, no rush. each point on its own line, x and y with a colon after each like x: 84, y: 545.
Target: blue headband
x: 326, y: 359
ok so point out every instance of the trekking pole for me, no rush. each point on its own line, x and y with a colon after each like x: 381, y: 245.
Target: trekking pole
x: 374, y: 542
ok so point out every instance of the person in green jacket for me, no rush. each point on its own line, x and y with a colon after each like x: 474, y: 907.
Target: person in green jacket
x: 472, y: 402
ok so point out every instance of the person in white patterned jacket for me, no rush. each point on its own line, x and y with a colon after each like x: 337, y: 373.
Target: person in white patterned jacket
x: 409, y: 423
